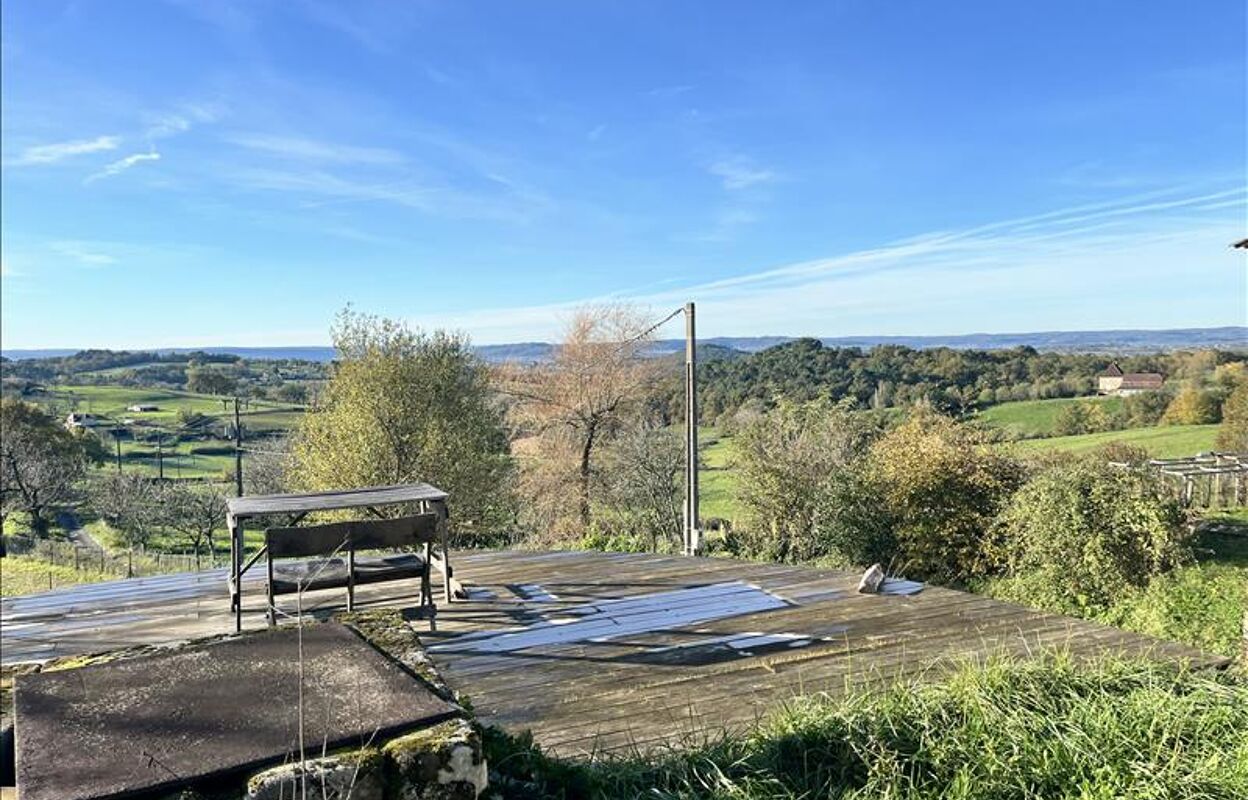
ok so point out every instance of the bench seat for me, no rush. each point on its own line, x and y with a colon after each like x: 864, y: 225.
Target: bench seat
x: 288, y: 575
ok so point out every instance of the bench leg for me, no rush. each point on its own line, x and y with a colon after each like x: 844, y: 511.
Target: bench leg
x: 272, y: 610
x: 350, y: 579
x: 426, y: 584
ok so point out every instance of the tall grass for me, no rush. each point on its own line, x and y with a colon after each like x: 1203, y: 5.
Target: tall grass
x: 1006, y: 729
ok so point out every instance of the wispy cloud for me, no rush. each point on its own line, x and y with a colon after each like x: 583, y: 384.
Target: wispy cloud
x: 185, y: 117
x: 297, y: 148
x: 739, y: 172
x: 121, y: 165
x: 59, y: 151
x: 670, y: 91
x: 89, y: 254
x: 1010, y: 275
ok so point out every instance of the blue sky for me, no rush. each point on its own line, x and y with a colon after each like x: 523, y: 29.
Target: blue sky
x: 230, y: 172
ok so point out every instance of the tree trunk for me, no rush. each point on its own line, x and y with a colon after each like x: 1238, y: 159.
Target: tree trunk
x: 38, y: 524
x: 586, y: 452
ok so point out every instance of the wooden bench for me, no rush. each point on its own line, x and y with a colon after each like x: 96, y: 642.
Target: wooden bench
x: 336, y: 541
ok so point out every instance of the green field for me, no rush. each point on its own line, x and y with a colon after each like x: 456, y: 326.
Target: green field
x: 1171, y: 441
x: 177, y: 452
x: 1028, y: 419
x: 717, y: 486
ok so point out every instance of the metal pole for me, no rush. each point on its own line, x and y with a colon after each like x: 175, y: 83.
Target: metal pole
x: 238, y: 451
x: 691, y: 431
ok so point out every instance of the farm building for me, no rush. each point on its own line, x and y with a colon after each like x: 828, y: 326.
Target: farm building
x: 1113, y: 381
x: 140, y: 408
x: 79, y: 419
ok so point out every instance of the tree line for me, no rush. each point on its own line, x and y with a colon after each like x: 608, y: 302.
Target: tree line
x: 950, y: 380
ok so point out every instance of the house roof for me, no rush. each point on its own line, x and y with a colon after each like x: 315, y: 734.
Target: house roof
x: 1112, y: 371
x: 1141, y: 380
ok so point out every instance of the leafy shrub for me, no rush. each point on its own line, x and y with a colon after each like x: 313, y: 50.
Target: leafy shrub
x: 1083, y: 417
x: 943, y: 488
x: 1081, y: 533
x: 1141, y: 410
x: 789, y: 462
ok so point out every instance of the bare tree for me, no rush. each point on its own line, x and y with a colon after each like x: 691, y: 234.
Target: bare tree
x: 595, y: 380
x: 644, y: 482
x: 196, y: 511
x: 133, y: 504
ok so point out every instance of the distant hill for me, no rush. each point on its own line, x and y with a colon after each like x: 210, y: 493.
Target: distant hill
x: 1113, y: 341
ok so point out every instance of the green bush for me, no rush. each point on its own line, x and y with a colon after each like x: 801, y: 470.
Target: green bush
x: 1081, y: 533
x: 789, y: 462
x: 943, y: 487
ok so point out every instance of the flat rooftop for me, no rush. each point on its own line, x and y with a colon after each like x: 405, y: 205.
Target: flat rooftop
x: 209, y: 710
x: 600, y: 652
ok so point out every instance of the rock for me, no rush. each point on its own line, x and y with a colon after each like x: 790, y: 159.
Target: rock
x: 872, y: 580
x: 357, y: 775
x: 444, y: 762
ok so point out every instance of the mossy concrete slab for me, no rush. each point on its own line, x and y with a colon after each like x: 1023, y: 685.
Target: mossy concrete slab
x: 208, y: 711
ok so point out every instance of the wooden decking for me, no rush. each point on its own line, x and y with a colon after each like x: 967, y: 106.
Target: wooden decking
x: 599, y: 652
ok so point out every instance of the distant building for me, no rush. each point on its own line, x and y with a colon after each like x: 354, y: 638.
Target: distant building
x: 79, y: 419
x: 1116, y: 382
x: 141, y: 407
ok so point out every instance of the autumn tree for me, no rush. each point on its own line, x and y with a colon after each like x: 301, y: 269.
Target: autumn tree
x: 40, y: 462
x: 404, y: 406
x: 1192, y: 406
x: 571, y: 405
x: 1233, y: 433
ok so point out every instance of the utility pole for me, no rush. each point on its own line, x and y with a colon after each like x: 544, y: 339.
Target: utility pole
x: 160, y: 455
x: 238, y: 450
x: 117, y: 441
x: 692, y: 534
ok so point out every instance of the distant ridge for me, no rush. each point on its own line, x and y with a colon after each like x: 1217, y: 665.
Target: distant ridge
x: 1112, y: 341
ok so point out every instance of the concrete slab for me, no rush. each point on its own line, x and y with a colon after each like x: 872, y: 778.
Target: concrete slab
x: 143, y: 725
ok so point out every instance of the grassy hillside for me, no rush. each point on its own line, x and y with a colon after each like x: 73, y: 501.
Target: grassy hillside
x: 1172, y: 441
x: 1029, y: 419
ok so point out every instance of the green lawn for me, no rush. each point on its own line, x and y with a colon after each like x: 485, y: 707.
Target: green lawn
x: 1171, y: 441
x: 22, y: 575
x: 717, y: 485
x: 1029, y: 419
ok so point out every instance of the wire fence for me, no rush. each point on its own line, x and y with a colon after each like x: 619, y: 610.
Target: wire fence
x: 126, y: 564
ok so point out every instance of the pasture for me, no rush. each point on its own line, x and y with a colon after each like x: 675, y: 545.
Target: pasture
x: 1029, y: 419
x: 1166, y: 441
x: 199, y: 453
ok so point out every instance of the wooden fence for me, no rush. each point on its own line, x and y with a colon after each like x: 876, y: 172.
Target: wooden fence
x: 1207, y: 480
x: 126, y: 564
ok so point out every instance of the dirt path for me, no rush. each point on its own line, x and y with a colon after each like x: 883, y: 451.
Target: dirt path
x: 76, y: 533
